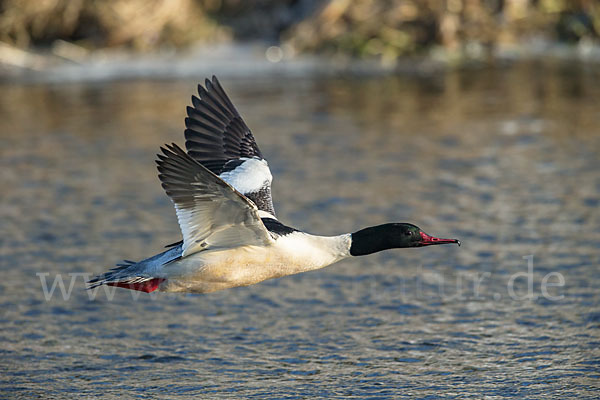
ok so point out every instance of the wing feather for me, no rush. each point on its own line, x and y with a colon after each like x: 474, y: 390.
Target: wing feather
x: 211, y: 213
x: 218, y: 138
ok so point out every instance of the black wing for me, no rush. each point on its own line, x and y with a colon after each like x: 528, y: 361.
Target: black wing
x: 218, y: 138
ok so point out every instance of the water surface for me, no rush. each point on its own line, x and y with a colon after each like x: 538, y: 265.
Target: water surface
x: 506, y: 159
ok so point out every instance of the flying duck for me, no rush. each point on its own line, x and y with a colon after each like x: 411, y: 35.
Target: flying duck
x: 221, y: 190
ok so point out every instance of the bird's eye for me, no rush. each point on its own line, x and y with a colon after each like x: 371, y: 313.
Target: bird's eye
x: 408, y: 233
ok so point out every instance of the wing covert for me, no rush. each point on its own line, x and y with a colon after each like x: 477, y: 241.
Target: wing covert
x: 210, y: 212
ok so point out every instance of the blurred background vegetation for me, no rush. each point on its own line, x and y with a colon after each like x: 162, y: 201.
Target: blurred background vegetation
x: 379, y: 29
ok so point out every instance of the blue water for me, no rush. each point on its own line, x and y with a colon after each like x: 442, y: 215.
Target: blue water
x: 505, y: 159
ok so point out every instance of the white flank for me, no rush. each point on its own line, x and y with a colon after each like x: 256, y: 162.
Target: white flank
x: 250, y: 176
x: 209, y: 271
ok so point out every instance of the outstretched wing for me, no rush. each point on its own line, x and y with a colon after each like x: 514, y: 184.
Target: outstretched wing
x: 210, y: 212
x: 219, y: 139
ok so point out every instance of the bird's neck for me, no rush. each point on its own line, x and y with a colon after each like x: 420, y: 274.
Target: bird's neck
x: 373, y: 239
x: 306, y: 252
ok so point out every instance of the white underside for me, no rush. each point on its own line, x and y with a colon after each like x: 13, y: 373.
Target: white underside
x: 209, y: 271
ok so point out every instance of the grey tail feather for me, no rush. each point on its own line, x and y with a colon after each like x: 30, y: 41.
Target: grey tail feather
x: 125, y: 263
x: 129, y: 271
x: 112, y: 275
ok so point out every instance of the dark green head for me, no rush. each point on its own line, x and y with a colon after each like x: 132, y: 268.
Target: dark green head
x: 392, y: 236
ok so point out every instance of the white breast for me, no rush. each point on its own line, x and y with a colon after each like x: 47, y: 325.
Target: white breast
x: 306, y: 252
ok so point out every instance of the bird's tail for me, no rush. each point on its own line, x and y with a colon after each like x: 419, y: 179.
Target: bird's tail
x: 126, y: 275
x: 138, y: 275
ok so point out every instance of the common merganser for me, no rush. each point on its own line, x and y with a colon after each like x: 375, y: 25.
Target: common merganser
x: 221, y: 190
